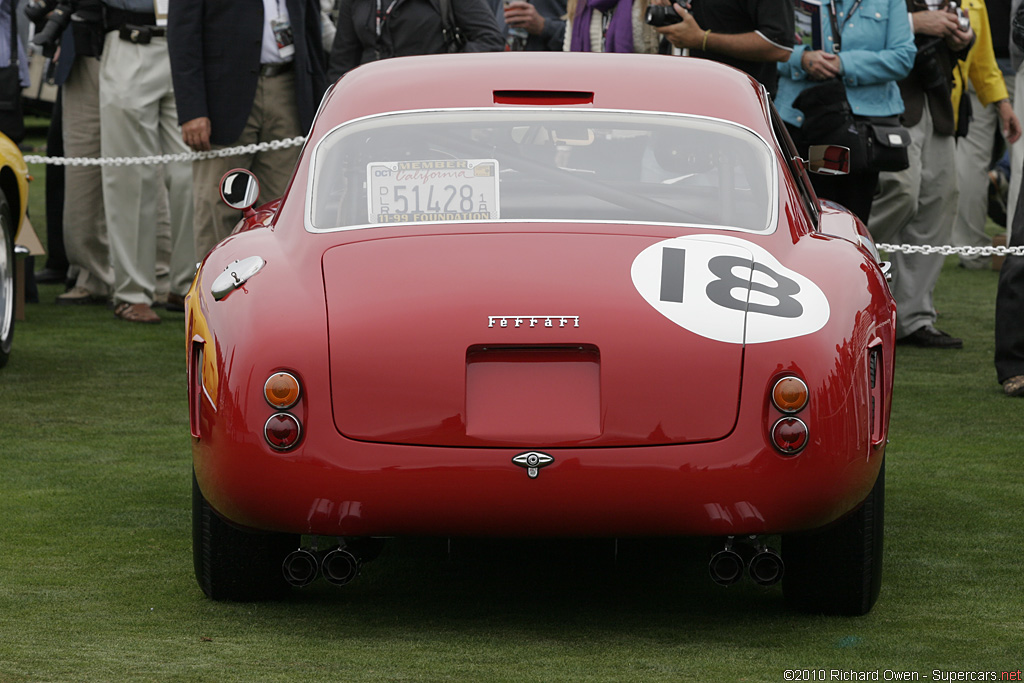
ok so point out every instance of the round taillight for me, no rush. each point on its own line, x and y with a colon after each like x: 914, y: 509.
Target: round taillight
x: 282, y: 390
x: 789, y: 435
x: 790, y: 394
x: 282, y: 431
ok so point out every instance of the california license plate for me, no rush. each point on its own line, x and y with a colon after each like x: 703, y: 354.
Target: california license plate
x: 432, y: 190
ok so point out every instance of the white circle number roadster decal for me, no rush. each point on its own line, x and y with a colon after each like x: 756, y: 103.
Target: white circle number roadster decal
x: 728, y: 289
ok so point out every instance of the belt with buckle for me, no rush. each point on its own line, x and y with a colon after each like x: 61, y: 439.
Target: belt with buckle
x: 275, y: 69
x: 140, y: 35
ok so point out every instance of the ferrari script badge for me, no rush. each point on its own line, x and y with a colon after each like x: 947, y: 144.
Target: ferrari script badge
x: 533, y: 461
x: 533, y: 321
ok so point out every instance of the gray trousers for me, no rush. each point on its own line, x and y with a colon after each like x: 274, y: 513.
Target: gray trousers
x: 917, y: 206
x: 973, y: 157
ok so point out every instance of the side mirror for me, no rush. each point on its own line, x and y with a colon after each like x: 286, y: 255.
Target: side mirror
x: 239, y: 189
x: 828, y: 159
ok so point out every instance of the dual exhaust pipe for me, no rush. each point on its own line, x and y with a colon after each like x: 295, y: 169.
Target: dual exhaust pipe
x: 338, y: 565
x: 763, y: 564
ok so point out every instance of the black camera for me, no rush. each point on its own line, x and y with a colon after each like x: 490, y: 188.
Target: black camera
x: 662, y: 15
x: 36, y: 11
x: 51, y: 18
x: 49, y: 35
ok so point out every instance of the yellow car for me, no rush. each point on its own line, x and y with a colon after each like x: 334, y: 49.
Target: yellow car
x: 13, y: 203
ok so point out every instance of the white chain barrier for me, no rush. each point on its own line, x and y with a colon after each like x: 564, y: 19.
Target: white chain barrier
x: 945, y: 250
x: 165, y: 158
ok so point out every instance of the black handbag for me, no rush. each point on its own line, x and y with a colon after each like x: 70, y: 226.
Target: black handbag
x: 12, y: 118
x: 886, y: 143
x: 829, y: 120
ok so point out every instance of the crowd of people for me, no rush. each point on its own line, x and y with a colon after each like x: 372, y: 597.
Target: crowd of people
x: 222, y: 73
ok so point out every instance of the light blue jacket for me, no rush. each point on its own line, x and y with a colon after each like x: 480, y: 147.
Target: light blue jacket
x: 877, y: 52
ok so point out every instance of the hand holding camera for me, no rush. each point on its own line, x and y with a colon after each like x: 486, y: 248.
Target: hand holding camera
x: 962, y: 20
x: 51, y: 17
x: 962, y: 35
x: 665, y: 14
x: 674, y: 21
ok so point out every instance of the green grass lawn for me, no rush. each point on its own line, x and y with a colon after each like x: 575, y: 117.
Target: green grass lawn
x: 96, y: 576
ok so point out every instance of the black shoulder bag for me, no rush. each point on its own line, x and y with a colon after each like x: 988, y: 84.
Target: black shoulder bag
x: 12, y: 119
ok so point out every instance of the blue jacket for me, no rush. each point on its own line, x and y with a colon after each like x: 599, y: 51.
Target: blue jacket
x: 877, y: 52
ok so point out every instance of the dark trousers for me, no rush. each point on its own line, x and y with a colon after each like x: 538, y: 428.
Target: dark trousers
x: 56, y: 258
x: 1010, y: 304
x: 854, y: 191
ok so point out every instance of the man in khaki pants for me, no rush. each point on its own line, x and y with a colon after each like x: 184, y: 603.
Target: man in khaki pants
x: 137, y: 119
x: 245, y: 71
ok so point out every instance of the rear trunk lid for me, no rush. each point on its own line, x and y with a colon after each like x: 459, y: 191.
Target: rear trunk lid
x: 526, y: 340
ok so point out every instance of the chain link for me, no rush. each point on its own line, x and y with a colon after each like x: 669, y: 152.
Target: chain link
x: 165, y: 158
x: 945, y: 250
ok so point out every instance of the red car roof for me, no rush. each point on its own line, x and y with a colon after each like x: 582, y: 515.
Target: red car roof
x: 602, y: 81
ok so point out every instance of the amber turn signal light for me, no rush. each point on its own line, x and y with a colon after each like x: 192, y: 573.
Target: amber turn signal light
x: 282, y: 390
x: 790, y: 394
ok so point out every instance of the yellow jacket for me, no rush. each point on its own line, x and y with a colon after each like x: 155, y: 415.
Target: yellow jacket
x: 980, y: 66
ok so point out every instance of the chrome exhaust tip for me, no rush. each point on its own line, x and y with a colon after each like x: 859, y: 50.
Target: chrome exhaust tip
x: 766, y: 567
x: 340, y: 566
x: 301, y: 567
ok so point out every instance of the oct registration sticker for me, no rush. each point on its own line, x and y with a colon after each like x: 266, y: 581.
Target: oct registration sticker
x: 437, y: 190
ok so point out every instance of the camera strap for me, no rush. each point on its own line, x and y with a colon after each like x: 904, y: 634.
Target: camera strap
x: 835, y: 22
x: 382, y: 15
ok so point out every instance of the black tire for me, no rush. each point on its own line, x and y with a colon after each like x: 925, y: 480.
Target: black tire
x: 838, y: 569
x: 7, y: 292
x: 232, y: 564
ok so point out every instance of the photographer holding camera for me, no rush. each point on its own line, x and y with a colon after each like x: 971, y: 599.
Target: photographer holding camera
x: 918, y: 205
x: 750, y: 35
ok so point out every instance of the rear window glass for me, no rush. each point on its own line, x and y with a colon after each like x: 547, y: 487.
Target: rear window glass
x: 541, y: 165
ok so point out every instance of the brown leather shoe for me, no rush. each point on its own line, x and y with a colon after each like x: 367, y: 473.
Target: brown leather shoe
x: 136, y: 313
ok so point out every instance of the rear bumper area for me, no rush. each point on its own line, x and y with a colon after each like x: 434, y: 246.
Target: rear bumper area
x: 389, y: 490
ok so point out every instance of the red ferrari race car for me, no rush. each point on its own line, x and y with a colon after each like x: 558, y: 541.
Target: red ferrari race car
x: 542, y: 295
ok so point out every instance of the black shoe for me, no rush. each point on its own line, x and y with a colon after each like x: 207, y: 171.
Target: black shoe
x: 49, y: 276
x: 930, y: 338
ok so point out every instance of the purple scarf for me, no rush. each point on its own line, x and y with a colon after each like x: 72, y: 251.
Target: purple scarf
x: 618, y: 37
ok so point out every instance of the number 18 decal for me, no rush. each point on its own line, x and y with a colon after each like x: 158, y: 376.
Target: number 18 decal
x: 728, y: 289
